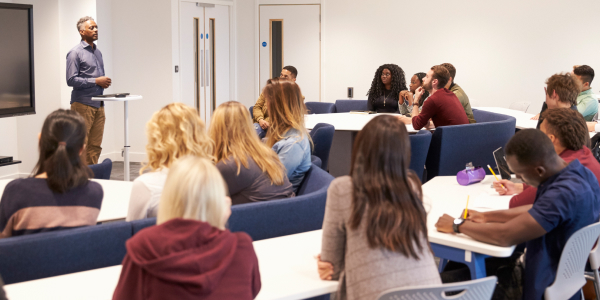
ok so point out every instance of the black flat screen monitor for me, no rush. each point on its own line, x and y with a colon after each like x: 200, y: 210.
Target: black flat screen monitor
x: 17, y: 96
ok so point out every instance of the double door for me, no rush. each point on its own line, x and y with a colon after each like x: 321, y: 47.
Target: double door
x: 204, y: 68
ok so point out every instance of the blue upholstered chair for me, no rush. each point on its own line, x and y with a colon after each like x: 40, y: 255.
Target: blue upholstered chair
x: 344, y: 106
x: 315, y: 160
x: 61, y: 252
x: 274, y: 218
x: 322, y: 137
x: 251, y: 112
x: 452, y: 147
x: 419, y: 147
x: 320, y: 107
x: 102, y: 170
x: 138, y: 225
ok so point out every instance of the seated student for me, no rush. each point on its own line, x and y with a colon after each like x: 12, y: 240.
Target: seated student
x: 561, y: 92
x: 442, y: 107
x: 385, y: 89
x: 189, y: 254
x: 567, y: 130
x: 173, y: 132
x: 458, y: 91
x: 288, y: 135
x: 375, y: 226
x: 261, y: 119
x: 407, y: 97
x: 567, y: 200
x: 59, y: 194
x: 252, y: 171
x: 587, y: 104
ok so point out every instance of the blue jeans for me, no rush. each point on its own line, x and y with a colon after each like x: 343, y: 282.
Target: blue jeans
x: 261, y: 132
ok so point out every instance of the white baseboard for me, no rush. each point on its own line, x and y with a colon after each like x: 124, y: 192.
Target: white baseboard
x: 116, y: 156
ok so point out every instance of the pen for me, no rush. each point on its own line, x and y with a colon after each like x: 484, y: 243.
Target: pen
x: 467, y: 208
x: 495, y: 176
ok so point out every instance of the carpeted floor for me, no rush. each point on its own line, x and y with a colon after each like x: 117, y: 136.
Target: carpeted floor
x: 118, y: 173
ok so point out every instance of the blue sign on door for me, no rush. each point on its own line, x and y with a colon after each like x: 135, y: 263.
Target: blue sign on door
x: 201, y: 36
x: 207, y: 36
x: 264, y: 44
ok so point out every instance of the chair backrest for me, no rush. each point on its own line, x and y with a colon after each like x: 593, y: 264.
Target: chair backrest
x: 61, y: 252
x: 521, y: 106
x: 252, y: 112
x: 570, y: 273
x: 479, y: 289
x: 322, y: 137
x: 102, y: 170
x: 343, y: 106
x: 320, y: 107
x: 419, y: 147
x: 274, y: 218
x: 138, y: 225
x: 452, y: 147
x: 315, y: 160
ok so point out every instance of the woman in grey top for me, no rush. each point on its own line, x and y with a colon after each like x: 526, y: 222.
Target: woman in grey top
x: 251, y: 170
x: 375, y: 226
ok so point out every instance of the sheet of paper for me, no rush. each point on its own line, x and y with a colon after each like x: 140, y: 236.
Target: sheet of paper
x: 489, y: 201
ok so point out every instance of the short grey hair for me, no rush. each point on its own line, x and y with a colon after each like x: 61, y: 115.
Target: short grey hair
x: 82, y: 21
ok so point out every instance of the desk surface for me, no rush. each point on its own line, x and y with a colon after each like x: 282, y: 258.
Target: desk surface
x: 523, y: 119
x: 345, y: 121
x: 443, y: 195
x: 115, y: 202
x: 287, y: 266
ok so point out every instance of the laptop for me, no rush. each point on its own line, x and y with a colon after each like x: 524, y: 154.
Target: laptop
x: 503, y: 168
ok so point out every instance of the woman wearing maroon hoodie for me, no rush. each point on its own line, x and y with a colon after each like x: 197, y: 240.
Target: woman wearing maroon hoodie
x: 190, y: 254
x: 568, y: 131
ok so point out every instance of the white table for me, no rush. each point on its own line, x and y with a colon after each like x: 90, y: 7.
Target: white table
x: 125, y: 100
x: 115, y: 202
x: 287, y: 266
x: 443, y: 195
x: 347, y: 126
x: 346, y: 121
x: 524, y: 120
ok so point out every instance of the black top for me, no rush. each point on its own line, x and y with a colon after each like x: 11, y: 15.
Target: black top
x: 386, y: 103
x: 544, y: 107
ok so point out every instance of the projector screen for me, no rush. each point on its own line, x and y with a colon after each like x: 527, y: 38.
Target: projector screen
x: 17, y: 95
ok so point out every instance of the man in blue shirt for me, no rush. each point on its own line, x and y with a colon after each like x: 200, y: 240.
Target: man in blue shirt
x: 568, y: 199
x: 85, y: 73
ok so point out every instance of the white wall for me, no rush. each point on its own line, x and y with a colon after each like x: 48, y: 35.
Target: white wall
x: 503, y: 51
x: 142, y: 65
x: 245, y: 52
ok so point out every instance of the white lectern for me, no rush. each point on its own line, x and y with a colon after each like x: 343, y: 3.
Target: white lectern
x: 125, y: 100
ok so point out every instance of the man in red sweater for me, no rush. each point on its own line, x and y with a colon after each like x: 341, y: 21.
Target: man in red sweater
x: 567, y: 130
x: 442, y: 107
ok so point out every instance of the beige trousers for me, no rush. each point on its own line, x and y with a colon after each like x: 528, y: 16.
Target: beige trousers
x: 94, y: 122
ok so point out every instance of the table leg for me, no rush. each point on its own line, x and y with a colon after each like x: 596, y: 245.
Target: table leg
x: 126, y: 147
x: 475, y: 261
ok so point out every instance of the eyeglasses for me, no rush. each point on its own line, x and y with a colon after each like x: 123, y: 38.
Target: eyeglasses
x: 386, y: 75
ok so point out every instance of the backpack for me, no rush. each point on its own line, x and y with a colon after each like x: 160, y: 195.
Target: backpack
x: 595, y: 142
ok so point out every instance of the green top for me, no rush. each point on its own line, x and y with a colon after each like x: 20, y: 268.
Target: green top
x: 587, y: 104
x: 464, y: 100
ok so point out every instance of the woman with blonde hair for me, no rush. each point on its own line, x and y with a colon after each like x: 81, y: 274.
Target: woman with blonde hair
x: 287, y: 134
x: 190, y: 254
x: 173, y: 132
x: 251, y: 170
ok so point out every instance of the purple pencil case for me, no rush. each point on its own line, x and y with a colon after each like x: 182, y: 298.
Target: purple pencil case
x: 470, y: 175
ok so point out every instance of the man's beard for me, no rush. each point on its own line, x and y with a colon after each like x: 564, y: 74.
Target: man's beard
x: 428, y: 86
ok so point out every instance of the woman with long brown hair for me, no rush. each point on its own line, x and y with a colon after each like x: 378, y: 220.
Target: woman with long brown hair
x: 59, y: 194
x: 287, y: 134
x: 251, y: 170
x: 375, y: 226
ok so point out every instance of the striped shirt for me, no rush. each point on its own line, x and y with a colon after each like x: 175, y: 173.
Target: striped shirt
x: 29, y: 206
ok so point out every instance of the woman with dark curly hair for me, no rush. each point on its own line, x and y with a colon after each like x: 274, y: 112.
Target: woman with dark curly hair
x: 385, y: 89
x: 408, y: 97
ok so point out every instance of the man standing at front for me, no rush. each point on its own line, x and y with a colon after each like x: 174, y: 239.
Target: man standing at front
x: 85, y: 73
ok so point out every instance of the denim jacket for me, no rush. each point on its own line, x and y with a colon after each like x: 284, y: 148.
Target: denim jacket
x: 294, y: 153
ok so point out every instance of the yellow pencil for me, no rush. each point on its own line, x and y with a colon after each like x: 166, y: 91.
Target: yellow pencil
x: 495, y: 175
x: 467, y: 208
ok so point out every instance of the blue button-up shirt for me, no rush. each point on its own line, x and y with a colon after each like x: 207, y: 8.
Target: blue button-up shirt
x: 84, y: 65
x: 565, y: 203
x: 294, y: 153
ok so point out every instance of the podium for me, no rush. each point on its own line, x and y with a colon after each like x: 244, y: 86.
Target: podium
x: 125, y: 101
